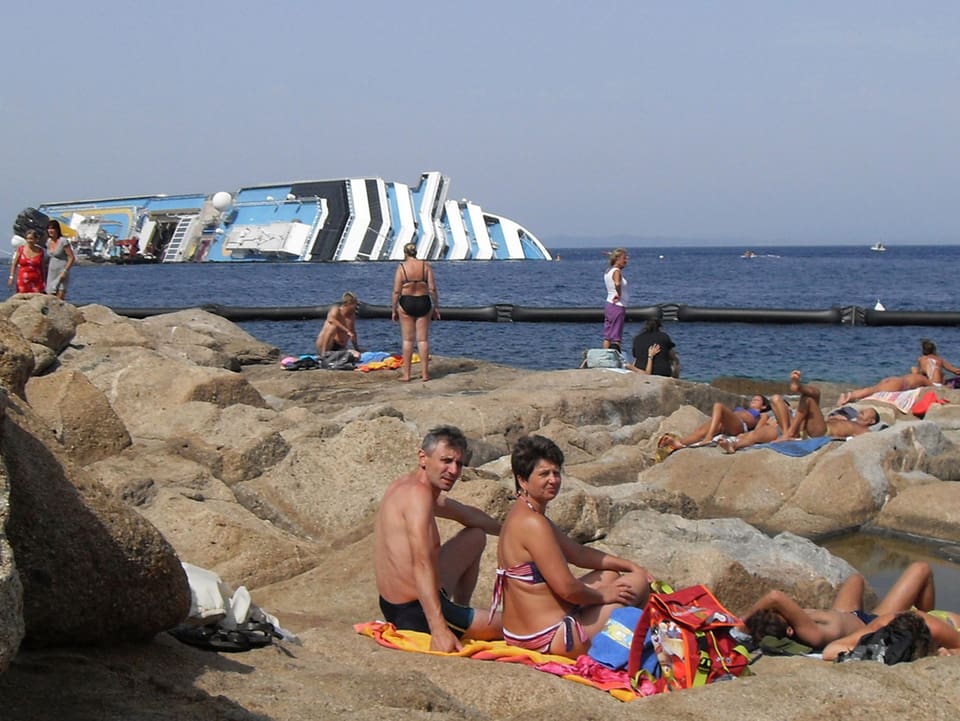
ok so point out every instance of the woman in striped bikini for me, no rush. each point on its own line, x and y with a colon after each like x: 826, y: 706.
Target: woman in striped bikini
x: 545, y: 607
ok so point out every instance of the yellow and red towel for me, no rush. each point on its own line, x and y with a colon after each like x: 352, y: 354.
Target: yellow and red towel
x: 584, y: 670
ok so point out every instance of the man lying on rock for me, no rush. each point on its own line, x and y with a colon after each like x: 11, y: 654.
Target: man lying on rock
x: 808, y: 418
x: 424, y: 586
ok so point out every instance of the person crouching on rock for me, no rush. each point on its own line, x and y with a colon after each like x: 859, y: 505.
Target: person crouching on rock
x: 423, y: 585
x: 340, y: 327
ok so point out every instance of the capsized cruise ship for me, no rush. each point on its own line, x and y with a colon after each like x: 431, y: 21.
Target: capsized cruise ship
x: 352, y: 219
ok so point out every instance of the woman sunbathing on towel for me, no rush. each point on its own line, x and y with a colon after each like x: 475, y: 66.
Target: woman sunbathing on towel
x: 723, y: 420
x: 545, y: 607
x: 890, y: 384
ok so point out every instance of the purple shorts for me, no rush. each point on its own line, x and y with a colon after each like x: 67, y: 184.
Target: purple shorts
x: 613, y: 318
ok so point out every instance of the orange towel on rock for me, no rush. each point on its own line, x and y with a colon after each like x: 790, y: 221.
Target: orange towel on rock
x: 389, y: 363
x: 585, y: 670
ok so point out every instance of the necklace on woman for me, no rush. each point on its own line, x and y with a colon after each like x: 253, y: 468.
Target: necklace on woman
x: 526, y: 500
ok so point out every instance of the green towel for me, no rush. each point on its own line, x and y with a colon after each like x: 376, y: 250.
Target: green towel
x: 783, y: 646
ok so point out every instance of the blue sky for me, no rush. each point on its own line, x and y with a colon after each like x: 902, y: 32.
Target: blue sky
x: 737, y: 122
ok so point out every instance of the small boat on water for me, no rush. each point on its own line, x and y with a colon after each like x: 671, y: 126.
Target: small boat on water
x: 346, y: 219
x: 878, y: 248
x: 748, y: 254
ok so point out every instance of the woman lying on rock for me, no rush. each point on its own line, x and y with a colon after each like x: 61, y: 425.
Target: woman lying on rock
x: 890, y: 384
x: 545, y: 607
x: 723, y: 420
x: 779, y: 616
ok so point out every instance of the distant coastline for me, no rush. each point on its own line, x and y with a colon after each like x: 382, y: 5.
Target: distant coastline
x: 623, y: 241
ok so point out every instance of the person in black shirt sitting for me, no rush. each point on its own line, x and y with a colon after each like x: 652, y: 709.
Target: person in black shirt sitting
x: 666, y: 362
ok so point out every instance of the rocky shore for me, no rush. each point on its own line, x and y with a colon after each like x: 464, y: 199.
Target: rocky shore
x: 130, y: 445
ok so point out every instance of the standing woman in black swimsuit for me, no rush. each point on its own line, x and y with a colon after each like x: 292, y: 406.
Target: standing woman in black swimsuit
x: 414, y: 303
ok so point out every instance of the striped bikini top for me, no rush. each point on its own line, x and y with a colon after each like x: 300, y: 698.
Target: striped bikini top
x: 526, y: 572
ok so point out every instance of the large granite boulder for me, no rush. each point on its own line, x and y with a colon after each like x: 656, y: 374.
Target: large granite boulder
x: 11, y: 591
x: 196, y: 327
x: 224, y: 536
x: 17, y: 361
x: 193, y: 335
x: 207, y: 521
x: 139, y: 383
x: 235, y: 443
x: 42, y: 319
x: 92, y: 569
x: 102, y: 329
x: 526, y: 403
x: 946, y: 416
x: 78, y: 414
x: 837, y: 488
x: 930, y: 509
x: 734, y: 559
x: 328, y: 486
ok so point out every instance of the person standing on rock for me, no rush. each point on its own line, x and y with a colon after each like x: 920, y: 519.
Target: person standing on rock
x: 61, y: 259
x: 415, y: 302
x: 423, y: 585
x: 27, y: 267
x: 615, y: 308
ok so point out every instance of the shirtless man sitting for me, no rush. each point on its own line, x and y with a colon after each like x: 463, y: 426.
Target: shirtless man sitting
x: 424, y: 586
x: 777, y: 615
x: 890, y: 384
x: 808, y: 418
x: 340, y: 327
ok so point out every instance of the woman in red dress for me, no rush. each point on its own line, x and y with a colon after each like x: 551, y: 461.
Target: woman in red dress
x: 28, y: 265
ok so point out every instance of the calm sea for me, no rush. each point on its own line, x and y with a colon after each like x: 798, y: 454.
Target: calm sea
x: 903, y: 278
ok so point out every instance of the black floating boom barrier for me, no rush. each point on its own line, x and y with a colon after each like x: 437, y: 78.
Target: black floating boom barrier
x: 509, y: 313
